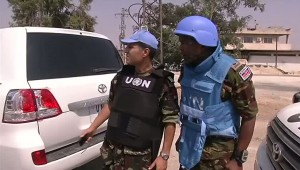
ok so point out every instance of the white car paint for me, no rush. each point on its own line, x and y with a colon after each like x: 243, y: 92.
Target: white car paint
x: 19, y: 140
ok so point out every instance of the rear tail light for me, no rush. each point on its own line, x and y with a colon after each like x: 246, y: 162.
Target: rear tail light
x: 39, y: 157
x: 28, y: 105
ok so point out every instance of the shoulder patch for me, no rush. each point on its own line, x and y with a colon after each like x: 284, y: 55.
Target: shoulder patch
x: 236, y: 66
x: 245, y: 72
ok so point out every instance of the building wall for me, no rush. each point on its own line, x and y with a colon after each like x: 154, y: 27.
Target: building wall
x: 264, y: 46
x: 286, y: 63
x: 260, y: 46
x: 258, y: 42
x: 289, y: 63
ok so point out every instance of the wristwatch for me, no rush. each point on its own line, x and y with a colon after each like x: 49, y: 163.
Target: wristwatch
x: 241, y: 156
x: 164, y: 156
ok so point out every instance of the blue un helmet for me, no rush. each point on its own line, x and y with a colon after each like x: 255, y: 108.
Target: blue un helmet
x: 143, y: 36
x: 202, y: 29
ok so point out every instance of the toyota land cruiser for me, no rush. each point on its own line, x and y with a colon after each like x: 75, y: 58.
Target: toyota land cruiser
x: 53, y: 83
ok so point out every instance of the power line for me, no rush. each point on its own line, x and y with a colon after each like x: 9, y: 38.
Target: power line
x: 123, y: 14
x: 143, y: 19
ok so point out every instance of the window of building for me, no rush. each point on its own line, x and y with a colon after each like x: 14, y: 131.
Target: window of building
x: 248, y: 39
x: 267, y: 40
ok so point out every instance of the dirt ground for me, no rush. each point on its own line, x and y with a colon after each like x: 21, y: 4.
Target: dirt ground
x: 272, y: 93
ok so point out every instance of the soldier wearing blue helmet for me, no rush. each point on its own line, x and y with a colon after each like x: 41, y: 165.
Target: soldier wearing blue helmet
x: 218, y: 105
x: 142, y: 105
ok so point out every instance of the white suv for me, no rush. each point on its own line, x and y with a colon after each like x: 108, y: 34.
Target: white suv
x: 53, y: 83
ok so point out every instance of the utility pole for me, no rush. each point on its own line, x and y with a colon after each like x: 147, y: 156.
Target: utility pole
x: 123, y: 14
x: 276, y: 54
x: 144, y: 13
x: 40, y: 19
x: 161, y: 32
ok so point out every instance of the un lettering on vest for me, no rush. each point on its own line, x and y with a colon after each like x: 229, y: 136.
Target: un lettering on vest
x: 143, y: 84
x: 194, y: 100
x: 198, y: 103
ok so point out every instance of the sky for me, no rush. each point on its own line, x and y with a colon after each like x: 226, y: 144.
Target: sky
x: 277, y: 13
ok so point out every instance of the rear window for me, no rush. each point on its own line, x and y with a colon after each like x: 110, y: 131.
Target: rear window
x: 51, y: 55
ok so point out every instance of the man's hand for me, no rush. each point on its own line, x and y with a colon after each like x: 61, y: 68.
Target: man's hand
x: 88, y: 133
x: 233, y: 165
x: 102, y: 117
x: 159, y: 163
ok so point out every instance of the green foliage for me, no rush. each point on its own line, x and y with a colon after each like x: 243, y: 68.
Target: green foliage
x: 52, y: 13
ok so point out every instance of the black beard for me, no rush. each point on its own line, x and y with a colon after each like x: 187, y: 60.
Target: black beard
x: 199, y: 59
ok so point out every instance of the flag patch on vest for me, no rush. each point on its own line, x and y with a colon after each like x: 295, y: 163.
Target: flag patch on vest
x: 143, y: 84
x: 245, y: 72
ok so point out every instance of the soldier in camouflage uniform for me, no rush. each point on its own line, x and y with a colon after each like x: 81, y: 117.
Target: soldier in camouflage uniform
x: 115, y: 153
x: 210, y: 140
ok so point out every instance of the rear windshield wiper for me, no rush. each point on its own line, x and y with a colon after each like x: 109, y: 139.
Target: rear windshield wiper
x: 101, y: 70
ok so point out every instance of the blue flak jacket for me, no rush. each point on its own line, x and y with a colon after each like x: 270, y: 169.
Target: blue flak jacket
x: 202, y: 112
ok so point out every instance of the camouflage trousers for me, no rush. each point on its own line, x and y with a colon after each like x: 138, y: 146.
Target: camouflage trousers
x: 119, y: 157
x: 216, y: 154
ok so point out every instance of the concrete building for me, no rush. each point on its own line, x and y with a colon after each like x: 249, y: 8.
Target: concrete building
x: 269, y: 46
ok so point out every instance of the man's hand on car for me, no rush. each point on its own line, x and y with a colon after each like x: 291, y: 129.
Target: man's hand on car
x: 88, y: 133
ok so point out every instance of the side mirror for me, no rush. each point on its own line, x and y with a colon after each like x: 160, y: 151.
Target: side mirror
x: 296, y: 97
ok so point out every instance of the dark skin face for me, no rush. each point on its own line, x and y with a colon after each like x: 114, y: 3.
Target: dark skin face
x: 193, y: 53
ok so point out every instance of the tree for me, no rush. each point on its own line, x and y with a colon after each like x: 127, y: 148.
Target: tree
x: 172, y: 14
x: 80, y: 19
x: 221, y: 12
x: 52, y: 13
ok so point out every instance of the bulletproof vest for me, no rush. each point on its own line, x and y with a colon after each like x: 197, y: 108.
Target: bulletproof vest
x: 135, y: 118
x: 203, y: 112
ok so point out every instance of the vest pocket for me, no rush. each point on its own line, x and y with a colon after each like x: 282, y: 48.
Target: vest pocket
x: 193, y: 136
x: 203, y: 86
x: 191, y: 145
x: 222, y: 120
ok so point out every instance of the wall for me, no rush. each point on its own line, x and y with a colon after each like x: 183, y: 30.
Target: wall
x: 286, y: 63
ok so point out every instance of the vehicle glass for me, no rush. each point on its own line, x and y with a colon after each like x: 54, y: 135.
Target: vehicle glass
x: 52, y: 55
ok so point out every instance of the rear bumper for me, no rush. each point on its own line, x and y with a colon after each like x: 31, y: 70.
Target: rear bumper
x: 16, y: 152
x: 20, y: 158
x: 262, y: 161
x: 75, y: 160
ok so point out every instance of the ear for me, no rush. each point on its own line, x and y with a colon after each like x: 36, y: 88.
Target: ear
x: 146, y: 52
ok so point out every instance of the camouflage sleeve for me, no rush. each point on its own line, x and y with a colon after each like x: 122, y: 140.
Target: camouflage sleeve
x: 240, y: 85
x: 112, y: 89
x: 169, y: 102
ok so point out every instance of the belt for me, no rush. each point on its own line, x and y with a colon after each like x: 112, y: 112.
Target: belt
x: 222, y: 138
